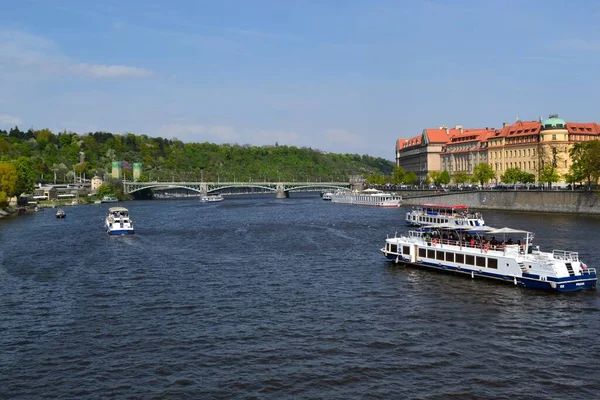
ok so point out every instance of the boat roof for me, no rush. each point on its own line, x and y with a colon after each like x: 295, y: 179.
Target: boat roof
x: 455, y: 206
x: 479, y: 229
x: 371, y: 190
x: 118, y: 209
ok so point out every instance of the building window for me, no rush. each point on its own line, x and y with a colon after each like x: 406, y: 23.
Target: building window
x: 553, y: 137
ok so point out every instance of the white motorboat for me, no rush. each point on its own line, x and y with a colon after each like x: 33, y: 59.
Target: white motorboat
x: 118, y: 221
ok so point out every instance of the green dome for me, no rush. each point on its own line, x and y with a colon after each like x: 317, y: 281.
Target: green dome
x: 553, y: 122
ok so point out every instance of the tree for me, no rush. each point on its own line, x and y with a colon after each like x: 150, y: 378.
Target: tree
x: 398, y: 176
x: 25, y: 174
x: 461, y: 177
x: 435, y: 177
x: 549, y: 174
x: 104, y: 190
x: 8, y: 179
x: 445, y: 177
x: 411, y: 178
x: 586, y: 161
x: 482, y: 173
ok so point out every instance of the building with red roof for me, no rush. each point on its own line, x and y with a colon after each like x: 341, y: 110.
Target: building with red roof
x: 529, y: 146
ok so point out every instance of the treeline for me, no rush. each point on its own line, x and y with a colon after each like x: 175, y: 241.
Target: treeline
x: 67, y: 155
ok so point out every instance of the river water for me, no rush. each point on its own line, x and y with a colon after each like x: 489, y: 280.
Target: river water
x: 260, y: 298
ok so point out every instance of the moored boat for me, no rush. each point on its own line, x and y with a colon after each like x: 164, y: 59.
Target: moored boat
x: 118, y: 222
x: 476, y: 252
x: 432, y: 214
x: 367, y: 197
x: 109, y: 199
x: 211, y: 198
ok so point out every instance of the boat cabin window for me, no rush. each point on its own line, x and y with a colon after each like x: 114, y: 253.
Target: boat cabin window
x: 393, y: 248
x: 422, y: 252
x: 469, y: 260
x: 431, y: 254
x: 460, y: 258
x: 406, y: 250
x: 492, y: 263
x: 450, y: 257
x: 439, y: 255
x: 480, y: 261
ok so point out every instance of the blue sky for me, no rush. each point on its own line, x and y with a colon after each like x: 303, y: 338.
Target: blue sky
x: 340, y: 76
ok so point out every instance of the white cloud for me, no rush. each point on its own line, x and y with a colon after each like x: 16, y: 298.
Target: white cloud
x: 9, y: 120
x: 343, y: 137
x: 23, y: 54
x: 110, y: 71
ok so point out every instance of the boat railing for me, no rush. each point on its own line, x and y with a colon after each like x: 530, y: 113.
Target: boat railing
x: 588, y: 271
x: 565, y: 255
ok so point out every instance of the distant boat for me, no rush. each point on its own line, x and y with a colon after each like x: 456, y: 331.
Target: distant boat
x: 368, y: 197
x: 211, y: 198
x: 109, y: 199
x: 118, y: 222
x: 327, y: 196
x: 60, y: 213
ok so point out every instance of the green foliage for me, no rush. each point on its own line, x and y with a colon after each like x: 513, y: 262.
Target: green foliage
x: 8, y: 179
x: 516, y: 175
x: 585, y: 162
x: 411, y: 178
x: 445, y: 177
x: 165, y: 159
x: 434, y: 177
x: 25, y: 175
x: 461, y: 177
x: 399, y: 175
x: 549, y: 174
x: 482, y: 173
x: 104, y: 190
x: 3, y: 199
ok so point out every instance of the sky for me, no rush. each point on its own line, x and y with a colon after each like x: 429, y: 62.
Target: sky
x: 338, y: 76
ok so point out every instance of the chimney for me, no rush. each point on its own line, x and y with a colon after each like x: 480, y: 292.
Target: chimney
x: 504, y: 124
x: 447, y: 131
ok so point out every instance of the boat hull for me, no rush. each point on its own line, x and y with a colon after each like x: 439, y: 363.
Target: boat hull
x: 119, y: 231
x: 552, y: 284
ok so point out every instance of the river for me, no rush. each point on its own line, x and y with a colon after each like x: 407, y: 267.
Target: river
x: 258, y: 298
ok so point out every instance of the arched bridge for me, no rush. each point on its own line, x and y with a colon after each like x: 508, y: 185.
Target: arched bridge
x: 281, y: 189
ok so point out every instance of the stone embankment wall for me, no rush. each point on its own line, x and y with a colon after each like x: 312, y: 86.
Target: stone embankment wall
x: 580, y: 202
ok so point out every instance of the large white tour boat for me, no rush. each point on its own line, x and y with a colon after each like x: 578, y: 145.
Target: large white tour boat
x: 433, y: 214
x: 367, y: 197
x: 118, y: 221
x: 492, y: 253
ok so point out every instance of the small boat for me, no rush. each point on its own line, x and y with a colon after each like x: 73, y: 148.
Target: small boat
x: 327, y: 196
x: 60, y: 213
x: 475, y: 252
x: 118, y: 222
x: 367, y: 197
x: 432, y: 214
x: 211, y: 198
x: 109, y: 199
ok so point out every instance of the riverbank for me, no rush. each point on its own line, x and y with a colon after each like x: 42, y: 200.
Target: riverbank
x: 572, y: 202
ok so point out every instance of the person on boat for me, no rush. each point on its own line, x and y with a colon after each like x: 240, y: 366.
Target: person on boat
x: 509, y: 241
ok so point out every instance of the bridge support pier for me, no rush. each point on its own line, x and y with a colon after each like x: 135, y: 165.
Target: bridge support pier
x: 280, y: 193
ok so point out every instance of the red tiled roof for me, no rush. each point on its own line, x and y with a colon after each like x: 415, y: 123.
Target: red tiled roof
x: 590, y: 128
x: 519, y: 128
x: 468, y: 135
x: 440, y: 135
x: 414, y: 141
